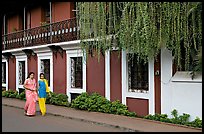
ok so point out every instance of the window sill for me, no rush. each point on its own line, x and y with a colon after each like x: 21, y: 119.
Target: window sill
x: 3, y: 84
x: 137, y: 91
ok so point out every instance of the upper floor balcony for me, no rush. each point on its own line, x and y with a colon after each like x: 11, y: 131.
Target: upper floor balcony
x: 45, y: 34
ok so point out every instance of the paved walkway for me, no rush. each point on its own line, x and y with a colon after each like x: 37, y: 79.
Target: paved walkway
x: 123, y: 122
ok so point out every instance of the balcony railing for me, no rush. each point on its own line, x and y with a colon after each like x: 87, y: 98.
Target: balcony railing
x: 51, y: 33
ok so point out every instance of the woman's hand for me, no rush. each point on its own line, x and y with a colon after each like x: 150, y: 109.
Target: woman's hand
x: 36, y: 90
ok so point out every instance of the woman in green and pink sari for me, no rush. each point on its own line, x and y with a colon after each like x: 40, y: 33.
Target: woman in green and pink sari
x: 31, y: 95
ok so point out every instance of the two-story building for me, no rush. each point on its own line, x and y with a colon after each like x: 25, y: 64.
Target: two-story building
x: 42, y: 37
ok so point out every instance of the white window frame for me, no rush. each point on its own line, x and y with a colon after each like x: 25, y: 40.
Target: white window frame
x: 70, y: 54
x: 149, y: 95
x: 43, y: 56
x: 18, y: 59
x: 6, y: 84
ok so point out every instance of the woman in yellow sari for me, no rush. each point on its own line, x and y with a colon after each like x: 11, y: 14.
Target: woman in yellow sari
x: 43, y: 89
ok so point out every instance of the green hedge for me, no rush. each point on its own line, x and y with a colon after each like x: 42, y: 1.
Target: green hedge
x: 9, y: 94
x: 57, y: 99
x: 52, y: 98
x: 98, y: 103
x: 177, y: 119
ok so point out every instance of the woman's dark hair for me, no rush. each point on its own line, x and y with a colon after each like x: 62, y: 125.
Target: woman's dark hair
x: 42, y: 74
x: 30, y: 74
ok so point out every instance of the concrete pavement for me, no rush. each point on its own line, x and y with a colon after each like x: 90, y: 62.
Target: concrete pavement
x: 14, y: 121
x: 123, y: 122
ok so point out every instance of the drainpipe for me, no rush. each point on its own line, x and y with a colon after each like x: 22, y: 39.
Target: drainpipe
x: 50, y: 22
x: 24, y: 26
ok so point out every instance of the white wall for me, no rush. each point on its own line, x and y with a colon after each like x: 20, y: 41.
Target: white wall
x: 187, y: 95
x: 179, y: 92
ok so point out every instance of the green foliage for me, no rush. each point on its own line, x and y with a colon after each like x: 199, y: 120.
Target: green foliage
x: 96, y: 102
x: 158, y: 117
x: 57, y: 99
x: 9, y: 94
x: 196, y: 123
x: 141, y: 27
x: 174, y: 113
x: 13, y: 94
x: 177, y: 119
x: 198, y: 60
x: 5, y: 93
x: 21, y: 96
x: 52, y: 98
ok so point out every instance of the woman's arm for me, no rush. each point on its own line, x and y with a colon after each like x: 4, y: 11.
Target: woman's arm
x: 24, y: 85
x: 26, y: 88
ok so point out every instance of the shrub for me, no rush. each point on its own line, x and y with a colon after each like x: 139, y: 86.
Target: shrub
x: 57, y: 99
x: 196, y: 123
x: 81, y: 101
x: 9, y: 94
x: 22, y: 96
x: 4, y: 93
x: 96, y: 102
x: 177, y: 119
x: 13, y: 94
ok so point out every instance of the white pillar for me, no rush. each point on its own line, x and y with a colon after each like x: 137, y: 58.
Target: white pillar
x: 166, y: 75
x: 107, y: 74
x: 124, y: 77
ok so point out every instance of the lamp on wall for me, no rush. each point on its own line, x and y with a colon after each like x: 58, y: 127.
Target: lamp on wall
x: 56, y: 49
x: 29, y: 53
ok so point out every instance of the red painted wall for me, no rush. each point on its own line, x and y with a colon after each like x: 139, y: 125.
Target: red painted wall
x: 36, y: 17
x: 59, y: 68
x: 62, y: 11
x: 139, y: 106
x: 12, y: 74
x: 33, y: 66
x: 115, y: 76
x: 157, y: 85
x: 95, y: 75
x: 13, y: 22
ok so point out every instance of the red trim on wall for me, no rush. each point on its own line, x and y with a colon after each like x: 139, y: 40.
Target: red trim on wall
x: 62, y: 11
x: 59, y: 73
x: 12, y: 74
x: 36, y: 17
x: 115, y: 76
x: 13, y: 23
x: 95, y: 75
x: 157, y: 85
x: 33, y: 66
x: 139, y: 106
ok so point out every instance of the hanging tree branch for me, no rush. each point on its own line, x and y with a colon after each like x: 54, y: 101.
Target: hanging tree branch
x: 142, y: 27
